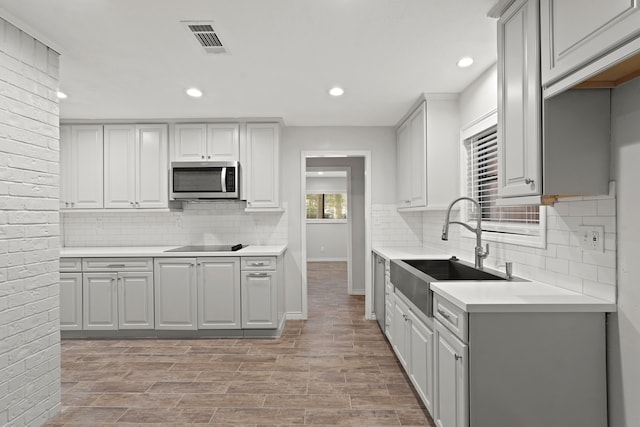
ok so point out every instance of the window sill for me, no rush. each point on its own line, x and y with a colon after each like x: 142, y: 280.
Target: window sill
x: 327, y: 221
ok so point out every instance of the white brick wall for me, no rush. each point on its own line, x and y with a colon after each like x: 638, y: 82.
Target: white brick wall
x: 199, y: 223
x: 29, y: 230
x: 563, y: 262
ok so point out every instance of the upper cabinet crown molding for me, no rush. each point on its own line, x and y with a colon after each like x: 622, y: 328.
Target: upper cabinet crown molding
x: 499, y: 8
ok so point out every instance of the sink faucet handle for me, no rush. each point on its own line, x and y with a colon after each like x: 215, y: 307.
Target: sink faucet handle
x: 483, y: 253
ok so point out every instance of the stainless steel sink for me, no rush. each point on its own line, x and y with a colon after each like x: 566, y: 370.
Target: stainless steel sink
x: 448, y: 269
x: 413, y: 277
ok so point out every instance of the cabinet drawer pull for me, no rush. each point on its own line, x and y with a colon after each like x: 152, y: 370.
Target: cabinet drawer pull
x: 257, y: 264
x: 116, y: 266
x: 258, y: 274
x: 443, y: 314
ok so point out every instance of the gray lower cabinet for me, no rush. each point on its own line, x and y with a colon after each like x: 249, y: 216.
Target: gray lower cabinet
x: 175, y: 294
x: 451, y: 406
x: 135, y: 300
x: 219, y: 293
x: 99, y: 301
x: 413, y: 341
x: 525, y: 369
x: 70, y: 301
x: 204, y: 293
x: 117, y: 293
x: 259, y: 290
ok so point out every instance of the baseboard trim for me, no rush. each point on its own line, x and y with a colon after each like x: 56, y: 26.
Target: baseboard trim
x: 296, y: 315
x: 327, y: 259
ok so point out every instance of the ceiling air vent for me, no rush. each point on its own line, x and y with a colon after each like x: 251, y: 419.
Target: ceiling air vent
x: 206, y: 36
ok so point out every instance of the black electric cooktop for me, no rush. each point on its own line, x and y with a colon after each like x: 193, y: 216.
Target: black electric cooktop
x: 208, y: 248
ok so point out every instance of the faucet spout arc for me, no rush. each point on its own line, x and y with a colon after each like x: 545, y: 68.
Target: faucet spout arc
x: 480, y: 253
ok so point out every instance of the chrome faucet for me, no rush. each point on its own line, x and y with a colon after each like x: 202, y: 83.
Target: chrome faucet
x: 480, y: 253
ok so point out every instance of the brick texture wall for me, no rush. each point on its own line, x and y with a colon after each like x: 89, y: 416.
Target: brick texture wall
x: 29, y: 230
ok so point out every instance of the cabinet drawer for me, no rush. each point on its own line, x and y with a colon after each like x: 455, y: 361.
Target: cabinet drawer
x: 70, y: 264
x: 117, y: 264
x: 258, y: 263
x: 451, y: 316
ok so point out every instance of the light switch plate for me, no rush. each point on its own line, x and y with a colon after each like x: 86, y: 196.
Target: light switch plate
x: 591, y: 238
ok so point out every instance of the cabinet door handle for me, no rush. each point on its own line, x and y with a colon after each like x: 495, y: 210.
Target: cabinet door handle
x: 458, y: 357
x: 443, y: 314
x: 258, y: 274
x: 203, y: 156
x: 529, y: 181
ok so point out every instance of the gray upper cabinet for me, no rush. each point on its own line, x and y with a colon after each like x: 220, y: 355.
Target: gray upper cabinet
x: 81, y: 166
x: 575, y: 32
x: 427, y: 154
x: 135, y: 166
x: 261, y: 168
x: 519, y: 100
x: 206, y: 142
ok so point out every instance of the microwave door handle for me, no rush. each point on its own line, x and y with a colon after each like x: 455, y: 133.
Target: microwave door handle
x: 223, y: 179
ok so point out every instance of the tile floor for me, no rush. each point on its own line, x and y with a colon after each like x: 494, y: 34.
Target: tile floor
x: 333, y: 369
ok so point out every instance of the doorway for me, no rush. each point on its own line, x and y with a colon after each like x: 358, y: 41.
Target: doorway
x: 357, y: 165
x: 328, y: 219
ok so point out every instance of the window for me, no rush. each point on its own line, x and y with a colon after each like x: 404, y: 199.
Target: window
x: 323, y: 206
x: 519, y: 222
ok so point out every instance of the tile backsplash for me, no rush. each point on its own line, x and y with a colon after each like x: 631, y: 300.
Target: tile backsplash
x: 391, y: 228
x: 563, y: 262
x: 198, y: 223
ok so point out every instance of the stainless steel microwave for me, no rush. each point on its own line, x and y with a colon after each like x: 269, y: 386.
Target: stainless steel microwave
x: 204, y: 180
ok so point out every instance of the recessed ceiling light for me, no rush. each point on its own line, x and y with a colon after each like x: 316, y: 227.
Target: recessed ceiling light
x: 336, y: 91
x: 61, y: 95
x: 194, y: 92
x: 320, y: 173
x: 465, y: 62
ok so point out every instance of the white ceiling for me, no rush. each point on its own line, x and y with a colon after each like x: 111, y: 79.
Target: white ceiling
x: 132, y: 59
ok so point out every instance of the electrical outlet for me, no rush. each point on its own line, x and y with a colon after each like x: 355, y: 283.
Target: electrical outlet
x: 592, y: 238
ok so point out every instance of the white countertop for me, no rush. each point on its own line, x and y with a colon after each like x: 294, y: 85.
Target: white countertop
x: 517, y: 296
x: 410, y: 253
x: 502, y: 296
x: 160, y: 251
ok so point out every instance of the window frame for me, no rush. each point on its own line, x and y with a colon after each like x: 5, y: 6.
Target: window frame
x: 500, y: 233
x: 327, y: 220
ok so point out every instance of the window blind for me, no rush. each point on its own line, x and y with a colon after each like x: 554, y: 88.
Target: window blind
x: 482, y: 185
